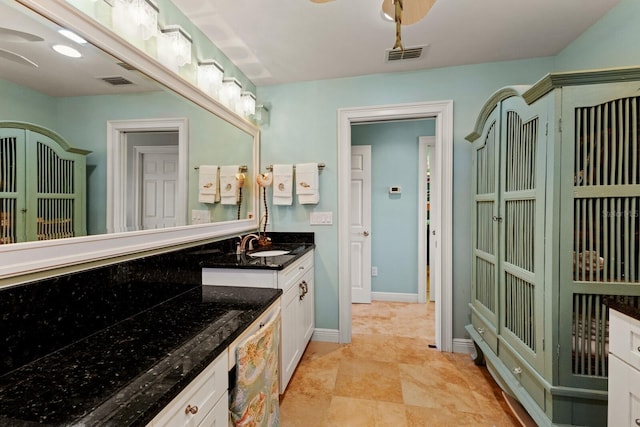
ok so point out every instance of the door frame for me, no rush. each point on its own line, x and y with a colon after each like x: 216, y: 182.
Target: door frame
x: 139, y: 151
x: 117, y: 165
x: 442, y: 112
x: 434, y: 221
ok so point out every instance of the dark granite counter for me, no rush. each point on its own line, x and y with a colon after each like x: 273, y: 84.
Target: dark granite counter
x: 224, y: 255
x: 125, y: 373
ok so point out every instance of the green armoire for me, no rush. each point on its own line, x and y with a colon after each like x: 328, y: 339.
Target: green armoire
x: 42, y: 185
x: 555, y: 232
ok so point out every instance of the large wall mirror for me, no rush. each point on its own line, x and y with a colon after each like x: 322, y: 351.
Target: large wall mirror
x: 124, y: 112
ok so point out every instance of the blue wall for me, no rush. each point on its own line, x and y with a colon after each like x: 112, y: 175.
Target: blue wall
x: 394, y: 217
x: 304, y: 128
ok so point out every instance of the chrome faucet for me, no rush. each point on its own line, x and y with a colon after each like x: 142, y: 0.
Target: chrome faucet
x: 246, y: 240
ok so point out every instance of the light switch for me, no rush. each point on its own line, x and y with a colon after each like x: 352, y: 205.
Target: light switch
x: 199, y: 216
x: 321, y: 218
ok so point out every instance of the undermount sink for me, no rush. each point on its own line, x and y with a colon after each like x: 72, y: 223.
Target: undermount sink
x: 268, y: 253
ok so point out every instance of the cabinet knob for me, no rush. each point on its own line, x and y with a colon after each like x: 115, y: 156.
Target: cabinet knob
x: 480, y: 331
x: 301, y: 291
x: 517, y: 370
x: 638, y: 352
x: 191, y: 410
x: 638, y: 421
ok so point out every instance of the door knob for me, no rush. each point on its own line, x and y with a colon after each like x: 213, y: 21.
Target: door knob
x: 365, y: 233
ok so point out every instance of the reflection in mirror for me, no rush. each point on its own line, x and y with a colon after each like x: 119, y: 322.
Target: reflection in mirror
x: 81, y: 99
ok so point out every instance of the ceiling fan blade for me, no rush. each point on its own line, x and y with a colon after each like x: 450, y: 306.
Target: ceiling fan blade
x: 412, y: 10
x: 17, y: 58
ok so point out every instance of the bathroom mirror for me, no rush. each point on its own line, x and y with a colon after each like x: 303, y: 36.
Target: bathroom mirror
x: 87, y: 117
x: 83, y: 99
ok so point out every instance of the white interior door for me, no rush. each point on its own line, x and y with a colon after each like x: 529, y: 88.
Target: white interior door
x: 360, y: 241
x: 158, y: 190
x: 428, y: 213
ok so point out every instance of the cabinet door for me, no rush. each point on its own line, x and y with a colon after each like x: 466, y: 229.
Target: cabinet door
x: 12, y: 185
x: 624, y: 394
x: 522, y: 226
x: 56, y: 188
x: 290, y: 352
x: 307, y: 312
x: 484, y: 275
x: 600, y: 245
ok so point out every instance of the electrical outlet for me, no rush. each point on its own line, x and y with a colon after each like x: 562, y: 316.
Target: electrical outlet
x: 374, y: 271
x: 200, y: 217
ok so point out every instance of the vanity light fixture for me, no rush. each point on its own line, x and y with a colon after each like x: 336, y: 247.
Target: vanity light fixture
x: 230, y: 92
x: 247, y: 104
x: 262, y: 114
x: 138, y: 18
x: 72, y: 36
x: 174, y: 47
x: 210, y: 75
x: 66, y: 51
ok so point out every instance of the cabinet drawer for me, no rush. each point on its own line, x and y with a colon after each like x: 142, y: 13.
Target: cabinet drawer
x: 219, y: 415
x: 523, y: 375
x: 291, y: 275
x: 624, y: 338
x: 486, y: 331
x: 195, y: 402
x: 624, y: 394
x: 257, y: 324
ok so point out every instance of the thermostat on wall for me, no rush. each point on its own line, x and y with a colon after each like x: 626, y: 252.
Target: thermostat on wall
x: 395, y: 189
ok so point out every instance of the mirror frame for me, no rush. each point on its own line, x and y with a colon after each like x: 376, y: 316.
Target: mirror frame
x: 31, y: 257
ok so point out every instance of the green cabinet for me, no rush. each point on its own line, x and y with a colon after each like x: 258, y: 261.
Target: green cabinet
x: 42, y: 185
x: 555, y: 232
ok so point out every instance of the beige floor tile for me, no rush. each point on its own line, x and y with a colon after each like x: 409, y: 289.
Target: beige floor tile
x: 298, y: 410
x: 367, y: 379
x: 348, y: 411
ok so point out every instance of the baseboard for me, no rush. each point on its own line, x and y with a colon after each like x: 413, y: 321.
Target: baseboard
x: 326, y: 335
x: 394, y: 297
x: 463, y: 345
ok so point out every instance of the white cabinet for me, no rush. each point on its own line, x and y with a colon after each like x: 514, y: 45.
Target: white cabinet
x: 205, y: 398
x: 624, y: 370
x: 297, y: 304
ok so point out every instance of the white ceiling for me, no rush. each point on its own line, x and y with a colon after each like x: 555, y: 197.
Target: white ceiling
x: 283, y: 41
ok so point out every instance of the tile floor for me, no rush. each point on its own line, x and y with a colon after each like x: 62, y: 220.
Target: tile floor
x: 389, y: 377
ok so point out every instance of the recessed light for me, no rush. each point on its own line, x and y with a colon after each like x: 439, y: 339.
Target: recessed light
x: 72, y: 36
x: 66, y: 51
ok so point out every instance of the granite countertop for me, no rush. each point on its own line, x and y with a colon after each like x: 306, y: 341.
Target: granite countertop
x: 227, y: 258
x: 621, y: 304
x: 125, y: 374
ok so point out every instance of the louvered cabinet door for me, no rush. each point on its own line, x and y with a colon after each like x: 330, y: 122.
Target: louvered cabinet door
x: 599, y: 252
x: 55, y: 184
x: 12, y: 186
x: 484, y: 280
x: 522, y: 227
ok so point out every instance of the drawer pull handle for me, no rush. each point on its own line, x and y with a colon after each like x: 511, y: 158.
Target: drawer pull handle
x: 301, y: 293
x: 517, y: 370
x: 639, y: 352
x: 191, y: 410
x: 638, y: 421
x: 481, y: 331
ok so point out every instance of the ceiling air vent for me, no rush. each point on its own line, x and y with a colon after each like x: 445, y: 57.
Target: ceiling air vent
x: 126, y: 66
x: 116, y: 81
x: 410, y: 53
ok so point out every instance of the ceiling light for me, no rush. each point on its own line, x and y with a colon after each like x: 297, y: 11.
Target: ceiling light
x: 385, y: 16
x: 66, y: 51
x: 72, y: 36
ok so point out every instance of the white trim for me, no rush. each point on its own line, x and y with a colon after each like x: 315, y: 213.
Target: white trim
x: 442, y: 112
x: 463, y: 345
x: 394, y: 297
x: 117, y: 165
x: 326, y: 335
x: 424, y: 142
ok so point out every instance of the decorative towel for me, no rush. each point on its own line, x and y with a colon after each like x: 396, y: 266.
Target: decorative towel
x: 283, y: 185
x: 307, y: 183
x: 229, y: 185
x: 208, y: 184
x: 253, y: 401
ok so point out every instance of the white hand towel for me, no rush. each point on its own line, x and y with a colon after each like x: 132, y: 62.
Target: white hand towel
x: 307, y: 183
x: 283, y: 185
x: 208, y: 184
x: 229, y: 188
